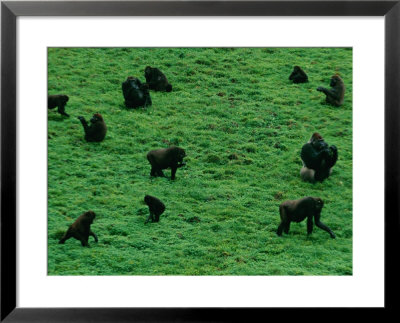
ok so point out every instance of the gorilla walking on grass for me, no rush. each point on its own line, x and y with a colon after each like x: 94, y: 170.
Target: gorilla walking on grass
x: 156, y: 208
x: 297, y: 210
x: 80, y: 229
x: 59, y: 101
x: 160, y: 159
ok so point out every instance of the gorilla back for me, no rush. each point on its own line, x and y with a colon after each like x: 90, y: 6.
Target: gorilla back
x: 156, y: 79
x: 298, y: 75
x: 135, y: 93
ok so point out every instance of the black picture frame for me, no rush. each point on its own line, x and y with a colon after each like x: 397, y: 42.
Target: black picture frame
x: 10, y: 10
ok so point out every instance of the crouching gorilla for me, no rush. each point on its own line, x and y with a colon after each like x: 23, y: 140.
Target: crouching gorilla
x: 97, y: 129
x: 59, y: 101
x: 135, y: 93
x: 335, y: 95
x: 80, y: 229
x: 298, y: 75
x: 156, y: 208
x: 318, y: 159
x: 297, y: 210
x: 160, y: 159
x: 156, y: 80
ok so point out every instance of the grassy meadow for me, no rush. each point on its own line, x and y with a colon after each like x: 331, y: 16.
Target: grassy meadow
x: 242, y: 124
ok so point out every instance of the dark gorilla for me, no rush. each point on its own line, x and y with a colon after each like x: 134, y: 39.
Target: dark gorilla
x: 297, y: 210
x: 97, y: 129
x: 135, y: 93
x: 80, y: 229
x: 318, y: 159
x: 156, y: 79
x: 156, y: 208
x: 60, y: 101
x: 335, y: 95
x: 166, y: 158
x: 298, y: 75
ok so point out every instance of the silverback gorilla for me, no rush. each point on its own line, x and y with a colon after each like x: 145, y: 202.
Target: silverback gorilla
x: 156, y: 208
x: 318, y: 159
x: 156, y: 80
x: 335, y: 95
x: 135, y: 93
x: 80, y: 229
x: 60, y: 101
x: 298, y: 75
x: 297, y: 210
x: 97, y: 129
x: 166, y: 158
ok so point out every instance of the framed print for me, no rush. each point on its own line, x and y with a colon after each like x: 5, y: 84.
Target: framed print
x: 169, y: 177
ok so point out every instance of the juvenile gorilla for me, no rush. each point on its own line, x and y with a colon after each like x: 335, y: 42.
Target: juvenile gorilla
x: 335, y: 95
x: 97, y: 129
x: 297, y: 210
x: 135, y: 93
x: 156, y: 208
x: 318, y: 159
x: 298, y: 75
x: 166, y: 158
x: 80, y: 229
x: 60, y: 101
x: 156, y: 79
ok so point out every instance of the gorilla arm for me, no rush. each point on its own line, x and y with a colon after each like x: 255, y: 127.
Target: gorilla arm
x: 322, y: 226
x: 84, y: 123
x: 311, y: 157
x: 332, y: 93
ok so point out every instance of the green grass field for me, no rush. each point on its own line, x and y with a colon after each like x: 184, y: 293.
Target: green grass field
x: 242, y: 124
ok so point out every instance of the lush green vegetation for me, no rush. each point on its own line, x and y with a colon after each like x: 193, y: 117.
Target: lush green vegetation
x: 242, y: 124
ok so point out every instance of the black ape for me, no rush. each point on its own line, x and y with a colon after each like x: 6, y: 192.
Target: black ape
x: 59, y: 101
x: 166, y: 158
x: 80, y: 229
x: 335, y: 95
x: 298, y: 75
x: 97, y: 129
x: 297, y: 210
x: 156, y: 208
x: 318, y: 159
x: 135, y: 93
x: 156, y: 80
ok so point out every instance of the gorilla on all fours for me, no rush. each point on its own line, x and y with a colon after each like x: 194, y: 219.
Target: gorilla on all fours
x: 318, y: 159
x: 135, y: 93
x: 164, y: 158
x: 297, y: 210
x: 59, y: 101
x: 156, y: 208
x: 80, y: 229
